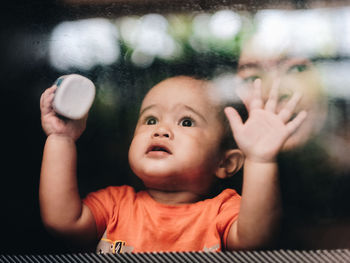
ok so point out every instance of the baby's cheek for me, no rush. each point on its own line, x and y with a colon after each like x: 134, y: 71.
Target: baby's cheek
x: 134, y: 150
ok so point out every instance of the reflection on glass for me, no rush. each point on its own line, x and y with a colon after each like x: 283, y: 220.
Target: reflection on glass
x: 304, y: 51
x: 295, y: 74
x: 84, y: 44
x: 148, y: 37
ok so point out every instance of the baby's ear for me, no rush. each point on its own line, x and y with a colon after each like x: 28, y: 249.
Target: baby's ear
x: 232, y: 161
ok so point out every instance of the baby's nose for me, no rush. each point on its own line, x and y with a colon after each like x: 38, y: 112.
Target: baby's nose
x: 162, y: 132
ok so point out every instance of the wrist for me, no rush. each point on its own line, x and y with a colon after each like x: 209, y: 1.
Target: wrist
x: 60, y: 137
x: 258, y: 160
x: 254, y: 168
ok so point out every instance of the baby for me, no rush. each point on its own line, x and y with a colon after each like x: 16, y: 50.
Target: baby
x: 179, y: 151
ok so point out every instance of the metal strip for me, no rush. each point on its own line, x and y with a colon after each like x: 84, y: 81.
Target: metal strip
x: 6, y: 259
x: 226, y: 258
x: 180, y: 258
x: 201, y: 256
x: 246, y: 254
x: 289, y: 256
x: 215, y: 255
x: 342, y: 254
x: 237, y: 257
x: 309, y: 256
x: 322, y: 254
x: 170, y: 256
x: 276, y: 255
x: 125, y: 257
x: 264, y: 256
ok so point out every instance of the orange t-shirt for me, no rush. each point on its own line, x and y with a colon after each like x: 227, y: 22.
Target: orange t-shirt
x: 134, y: 222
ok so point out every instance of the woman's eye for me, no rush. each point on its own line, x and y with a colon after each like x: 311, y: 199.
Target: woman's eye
x: 187, y: 122
x: 151, y: 121
x: 251, y: 79
x: 298, y: 68
x: 284, y: 97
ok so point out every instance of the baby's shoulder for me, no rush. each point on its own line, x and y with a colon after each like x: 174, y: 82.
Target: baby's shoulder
x: 226, y: 196
x: 120, y: 190
x: 115, y: 192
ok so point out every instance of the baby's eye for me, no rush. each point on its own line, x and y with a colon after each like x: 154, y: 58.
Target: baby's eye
x: 186, y: 122
x: 151, y: 121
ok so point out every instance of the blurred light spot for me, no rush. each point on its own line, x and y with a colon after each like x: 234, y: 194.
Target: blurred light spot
x: 171, y: 48
x: 148, y: 37
x: 180, y: 26
x: 227, y: 87
x: 141, y: 59
x: 154, y: 22
x: 200, y: 25
x: 341, y: 18
x: 201, y: 34
x: 273, y: 35
x: 297, y: 32
x: 152, y: 34
x: 225, y: 24
x: 311, y: 32
x: 129, y: 27
x: 84, y: 44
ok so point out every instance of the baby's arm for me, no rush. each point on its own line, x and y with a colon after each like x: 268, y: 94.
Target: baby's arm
x: 260, y: 138
x: 61, y: 208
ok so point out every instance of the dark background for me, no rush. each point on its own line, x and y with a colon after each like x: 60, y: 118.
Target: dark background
x: 26, y: 73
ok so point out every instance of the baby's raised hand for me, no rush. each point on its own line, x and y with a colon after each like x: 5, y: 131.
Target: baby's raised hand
x: 53, y: 124
x: 262, y: 136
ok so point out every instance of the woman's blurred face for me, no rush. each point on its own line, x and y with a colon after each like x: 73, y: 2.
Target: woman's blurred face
x: 295, y: 74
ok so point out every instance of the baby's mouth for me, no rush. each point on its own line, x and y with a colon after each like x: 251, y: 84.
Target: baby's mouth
x: 158, y: 148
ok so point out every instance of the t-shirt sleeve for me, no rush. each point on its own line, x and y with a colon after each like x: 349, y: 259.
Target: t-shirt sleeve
x: 228, y: 213
x: 103, y: 204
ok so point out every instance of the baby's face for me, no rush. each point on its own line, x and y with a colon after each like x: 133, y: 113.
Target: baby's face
x: 176, y: 145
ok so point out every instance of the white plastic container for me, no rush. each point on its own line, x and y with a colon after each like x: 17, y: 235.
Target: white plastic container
x: 74, y: 96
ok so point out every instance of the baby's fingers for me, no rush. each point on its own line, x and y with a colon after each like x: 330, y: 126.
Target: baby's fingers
x: 294, y: 124
x: 287, y: 111
x: 244, y: 93
x: 271, y: 103
x: 46, y: 100
x: 256, y: 101
x: 234, y: 119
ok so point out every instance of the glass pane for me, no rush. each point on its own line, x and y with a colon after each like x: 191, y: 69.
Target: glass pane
x: 126, y: 47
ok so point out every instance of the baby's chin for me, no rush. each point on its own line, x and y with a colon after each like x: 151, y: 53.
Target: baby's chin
x: 162, y: 183
x: 157, y: 171
x: 152, y: 176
